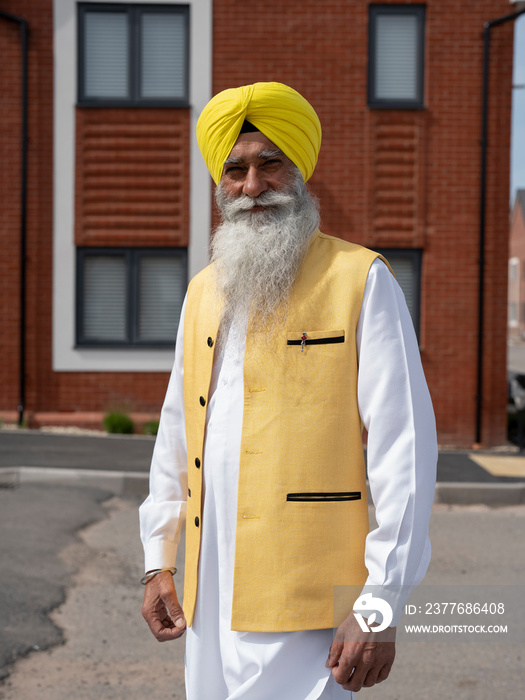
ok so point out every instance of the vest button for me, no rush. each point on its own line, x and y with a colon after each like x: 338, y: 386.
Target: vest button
x: 197, y: 463
x: 210, y: 342
x: 197, y: 521
x: 202, y: 401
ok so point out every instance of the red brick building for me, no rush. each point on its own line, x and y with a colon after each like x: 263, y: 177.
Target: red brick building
x: 516, y: 293
x: 119, y: 201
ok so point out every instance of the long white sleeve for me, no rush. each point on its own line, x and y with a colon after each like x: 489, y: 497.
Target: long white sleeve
x: 163, y: 513
x: 396, y: 409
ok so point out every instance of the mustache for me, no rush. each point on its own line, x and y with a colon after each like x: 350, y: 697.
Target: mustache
x: 270, y: 198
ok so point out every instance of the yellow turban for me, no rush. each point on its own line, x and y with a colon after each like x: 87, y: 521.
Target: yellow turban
x: 276, y: 110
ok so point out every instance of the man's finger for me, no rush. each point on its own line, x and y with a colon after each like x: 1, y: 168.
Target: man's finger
x: 372, y: 668
x: 356, y: 681
x: 334, y: 653
x: 175, y: 612
x: 384, y: 672
x: 168, y: 595
x: 165, y: 634
x: 346, y: 667
x: 161, y: 609
x: 363, y: 679
x: 162, y: 625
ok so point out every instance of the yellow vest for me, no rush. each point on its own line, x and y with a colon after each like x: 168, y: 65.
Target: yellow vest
x: 302, y: 515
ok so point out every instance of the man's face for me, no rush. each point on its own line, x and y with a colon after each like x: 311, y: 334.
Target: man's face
x: 268, y: 219
x: 255, y: 165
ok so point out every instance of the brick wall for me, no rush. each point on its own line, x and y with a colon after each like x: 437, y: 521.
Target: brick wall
x: 47, y: 390
x: 321, y: 50
x: 40, y: 382
x: 10, y: 139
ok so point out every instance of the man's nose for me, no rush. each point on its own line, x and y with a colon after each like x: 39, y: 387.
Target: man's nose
x: 254, y: 183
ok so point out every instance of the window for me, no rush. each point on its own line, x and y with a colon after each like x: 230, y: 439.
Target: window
x: 396, y: 56
x: 406, y: 265
x: 513, y: 313
x: 134, y: 55
x: 129, y: 297
x: 514, y: 264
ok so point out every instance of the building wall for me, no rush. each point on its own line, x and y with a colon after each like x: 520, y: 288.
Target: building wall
x: 9, y: 211
x: 516, y: 288
x: 59, y: 376
x: 321, y: 50
x: 323, y: 54
x: 67, y: 358
x: 40, y: 382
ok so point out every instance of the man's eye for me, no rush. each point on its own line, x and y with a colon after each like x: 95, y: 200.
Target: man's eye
x: 233, y: 170
x: 273, y: 161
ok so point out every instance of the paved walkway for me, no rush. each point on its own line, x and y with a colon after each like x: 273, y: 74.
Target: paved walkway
x: 95, y: 645
x: 70, y: 623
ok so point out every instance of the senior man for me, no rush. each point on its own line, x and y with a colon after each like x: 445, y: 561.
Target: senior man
x: 289, y: 342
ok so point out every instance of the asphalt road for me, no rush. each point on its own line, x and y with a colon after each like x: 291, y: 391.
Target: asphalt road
x: 32, y: 448
x: 95, y: 645
x: 37, y: 524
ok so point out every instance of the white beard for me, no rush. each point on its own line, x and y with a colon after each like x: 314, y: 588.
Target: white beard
x: 258, y: 254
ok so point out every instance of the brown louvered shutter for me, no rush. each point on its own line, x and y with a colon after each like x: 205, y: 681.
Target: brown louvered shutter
x: 132, y: 177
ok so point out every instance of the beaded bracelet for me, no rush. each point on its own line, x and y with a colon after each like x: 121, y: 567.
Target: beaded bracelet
x: 147, y: 577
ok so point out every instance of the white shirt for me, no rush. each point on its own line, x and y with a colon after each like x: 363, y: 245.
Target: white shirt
x: 395, y: 408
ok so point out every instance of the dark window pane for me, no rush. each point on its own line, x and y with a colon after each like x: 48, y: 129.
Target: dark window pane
x: 161, y: 295
x: 104, y: 298
x: 404, y: 272
x: 106, y: 52
x: 163, y: 51
x: 396, y: 70
x: 160, y: 298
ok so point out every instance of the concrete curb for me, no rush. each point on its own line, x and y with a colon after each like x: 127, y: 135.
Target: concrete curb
x: 120, y: 483
x: 468, y: 493
x: 136, y: 484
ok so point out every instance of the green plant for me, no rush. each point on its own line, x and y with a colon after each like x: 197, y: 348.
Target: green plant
x: 117, y: 422
x: 151, y: 427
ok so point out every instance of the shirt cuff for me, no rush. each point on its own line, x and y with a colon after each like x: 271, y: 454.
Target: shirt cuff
x: 395, y: 597
x: 160, y: 554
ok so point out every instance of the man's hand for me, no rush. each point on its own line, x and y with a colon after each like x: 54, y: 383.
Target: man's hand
x: 361, y: 659
x: 161, y: 608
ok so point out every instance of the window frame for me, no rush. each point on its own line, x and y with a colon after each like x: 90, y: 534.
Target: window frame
x: 132, y: 258
x: 419, y: 11
x: 416, y: 255
x: 134, y: 13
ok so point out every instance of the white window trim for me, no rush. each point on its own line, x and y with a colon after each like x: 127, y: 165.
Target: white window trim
x: 513, y: 292
x: 67, y: 358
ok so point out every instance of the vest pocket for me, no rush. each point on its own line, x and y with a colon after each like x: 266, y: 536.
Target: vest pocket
x: 303, y: 338
x: 326, y: 496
